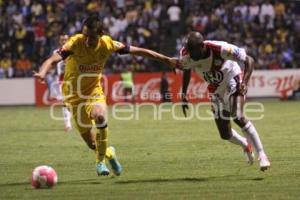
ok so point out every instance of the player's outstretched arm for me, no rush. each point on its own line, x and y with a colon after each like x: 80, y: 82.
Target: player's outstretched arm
x: 46, y: 66
x: 173, y: 62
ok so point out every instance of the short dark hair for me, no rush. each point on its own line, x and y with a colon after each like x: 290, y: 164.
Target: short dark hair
x: 93, y: 20
x: 194, y: 44
x: 194, y: 41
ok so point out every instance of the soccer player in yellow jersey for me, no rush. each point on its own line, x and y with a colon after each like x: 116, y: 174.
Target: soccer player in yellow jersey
x: 85, y: 56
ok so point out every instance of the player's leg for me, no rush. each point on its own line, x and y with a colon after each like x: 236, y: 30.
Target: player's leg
x: 222, y: 120
x: 66, y: 112
x: 89, y: 136
x: 237, y: 110
x: 85, y: 124
x: 99, y: 114
x: 220, y: 108
x: 131, y: 95
x: 228, y: 133
x: 67, y: 118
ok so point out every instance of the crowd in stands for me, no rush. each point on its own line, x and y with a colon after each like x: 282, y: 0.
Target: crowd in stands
x: 267, y: 29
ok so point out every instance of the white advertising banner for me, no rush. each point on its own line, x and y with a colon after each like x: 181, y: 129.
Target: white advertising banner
x: 273, y: 83
x: 17, y: 91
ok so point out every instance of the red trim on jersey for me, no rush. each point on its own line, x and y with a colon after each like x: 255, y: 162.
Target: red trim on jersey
x: 216, y: 51
x: 212, y: 88
x: 61, y: 77
x: 183, y: 51
x: 214, y: 47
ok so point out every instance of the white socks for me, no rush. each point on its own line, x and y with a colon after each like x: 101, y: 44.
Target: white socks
x: 238, y: 139
x: 253, y: 137
x: 67, y: 117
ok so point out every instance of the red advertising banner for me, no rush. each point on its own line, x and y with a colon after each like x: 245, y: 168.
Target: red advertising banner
x: 272, y: 83
x: 146, y: 89
x: 42, y: 96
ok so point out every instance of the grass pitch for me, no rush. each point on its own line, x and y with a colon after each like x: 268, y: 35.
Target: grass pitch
x: 162, y: 159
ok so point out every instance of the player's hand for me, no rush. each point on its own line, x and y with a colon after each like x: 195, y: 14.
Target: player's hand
x: 184, y: 105
x: 175, y: 63
x: 243, y: 88
x: 39, y: 76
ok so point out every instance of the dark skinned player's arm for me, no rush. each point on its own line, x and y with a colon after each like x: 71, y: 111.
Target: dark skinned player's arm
x: 185, y: 84
x: 249, y: 66
x: 133, y: 50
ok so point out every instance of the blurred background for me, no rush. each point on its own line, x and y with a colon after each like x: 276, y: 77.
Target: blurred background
x: 30, y: 28
x: 267, y: 29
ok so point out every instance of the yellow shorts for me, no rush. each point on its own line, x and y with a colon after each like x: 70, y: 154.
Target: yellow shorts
x: 81, y: 110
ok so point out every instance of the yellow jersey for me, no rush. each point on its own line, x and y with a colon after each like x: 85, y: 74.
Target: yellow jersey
x: 84, y: 66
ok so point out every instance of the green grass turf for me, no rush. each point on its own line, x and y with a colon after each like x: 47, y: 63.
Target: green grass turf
x: 162, y: 159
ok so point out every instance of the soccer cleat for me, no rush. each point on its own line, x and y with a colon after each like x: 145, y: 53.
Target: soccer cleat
x: 249, y: 154
x: 102, y: 170
x: 68, y: 128
x: 114, y: 163
x: 264, y: 163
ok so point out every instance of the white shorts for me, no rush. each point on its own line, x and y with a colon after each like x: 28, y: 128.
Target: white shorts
x: 221, y: 99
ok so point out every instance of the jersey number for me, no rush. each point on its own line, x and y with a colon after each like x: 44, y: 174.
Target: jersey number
x: 213, y: 77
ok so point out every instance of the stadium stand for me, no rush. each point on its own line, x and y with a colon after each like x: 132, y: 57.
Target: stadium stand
x: 268, y: 30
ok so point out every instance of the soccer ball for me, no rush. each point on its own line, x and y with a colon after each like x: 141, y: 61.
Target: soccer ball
x: 43, y: 177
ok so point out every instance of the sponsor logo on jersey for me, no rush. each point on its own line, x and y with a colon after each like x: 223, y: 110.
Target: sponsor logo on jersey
x: 236, y: 53
x: 229, y: 51
x: 84, y: 68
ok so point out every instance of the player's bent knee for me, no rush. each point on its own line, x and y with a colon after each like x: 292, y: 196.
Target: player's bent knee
x: 100, y: 120
x: 225, y: 135
x: 91, y: 145
x: 240, y: 121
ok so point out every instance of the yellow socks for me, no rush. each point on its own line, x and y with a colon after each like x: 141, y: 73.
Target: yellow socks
x: 101, y: 145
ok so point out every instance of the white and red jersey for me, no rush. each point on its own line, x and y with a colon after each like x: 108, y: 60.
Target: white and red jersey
x: 60, y: 72
x: 222, y: 65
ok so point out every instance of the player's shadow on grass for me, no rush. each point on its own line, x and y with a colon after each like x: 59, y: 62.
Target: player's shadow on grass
x: 160, y: 180
x: 14, y: 184
x: 195, y: 180
x: 80, y: 182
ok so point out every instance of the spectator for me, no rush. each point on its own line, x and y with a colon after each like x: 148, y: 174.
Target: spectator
x: 36, y: 8
x: 174, y: 13
x: 287, y: 57
x: 23, y: 66
x: 164, y: 88
x: 127, y: 83
x: 253, y: 10
x: 267, y: 9
x: 279, y: 8
x: 242, y: 8
x: 6, y: 66
x: 32, y: 27
x: 17, y: 18
x: 275, y: 63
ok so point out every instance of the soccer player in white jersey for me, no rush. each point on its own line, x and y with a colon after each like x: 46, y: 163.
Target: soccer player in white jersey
x: 60, y: 69
x: 219, y: 63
